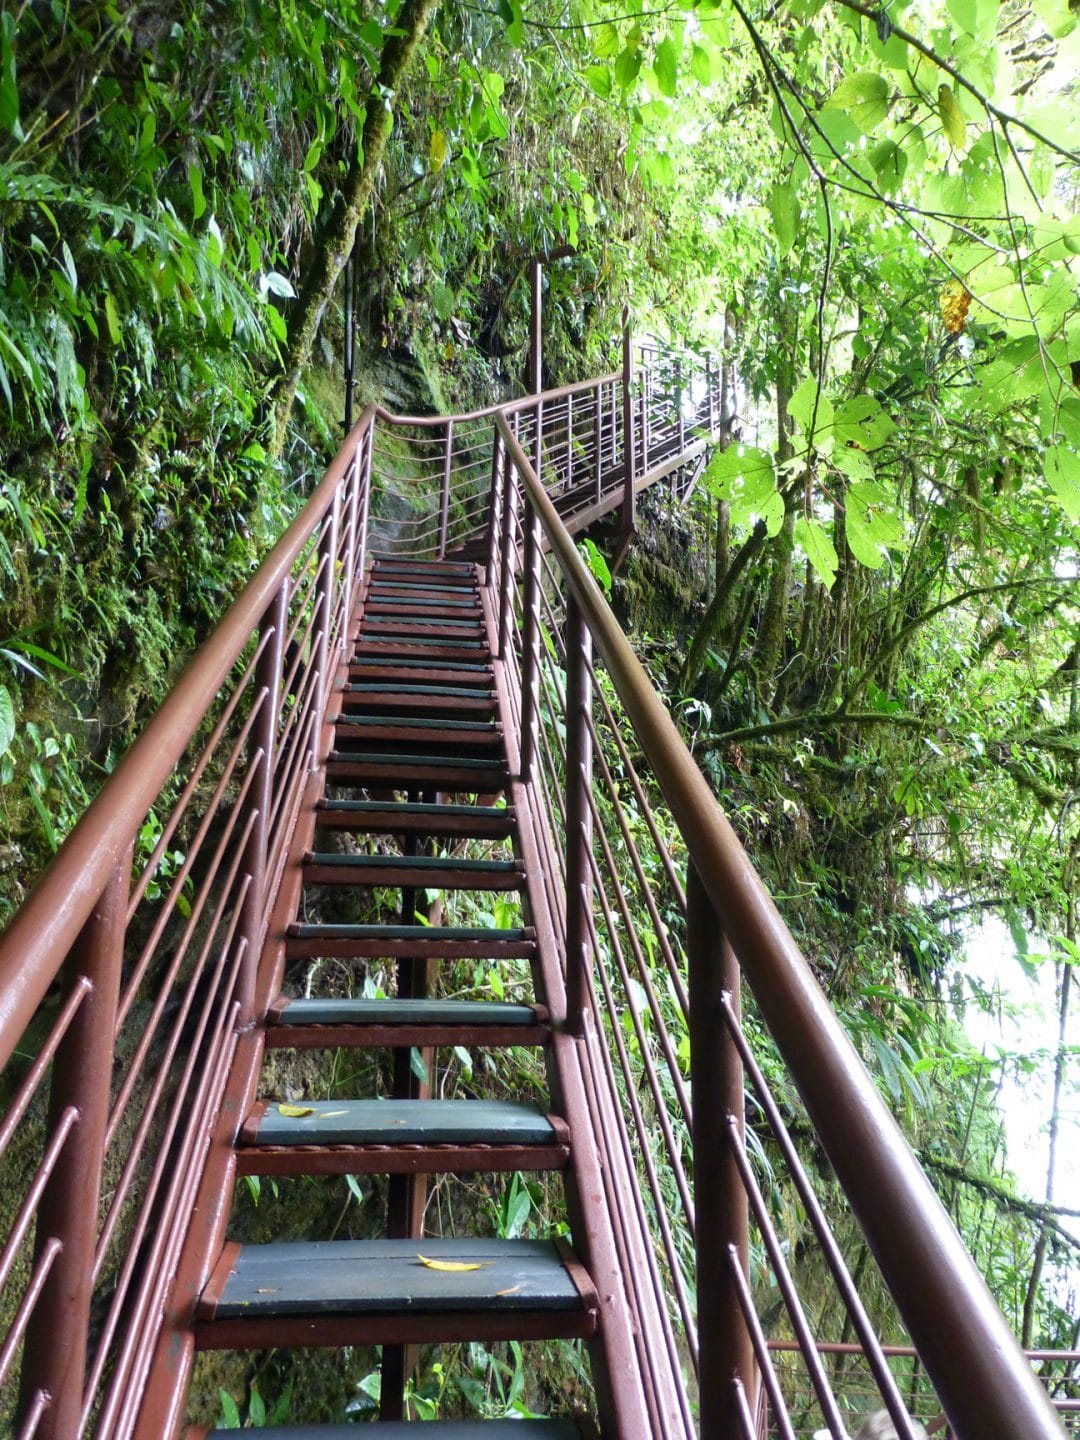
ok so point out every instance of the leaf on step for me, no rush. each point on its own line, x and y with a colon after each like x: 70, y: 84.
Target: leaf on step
x: 454, y: 1266
x: 512, y: 1291
x: 294, y: 1112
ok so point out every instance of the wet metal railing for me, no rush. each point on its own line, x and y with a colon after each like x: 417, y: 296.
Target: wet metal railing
x: 128, y: 978
x: 698, y: 1100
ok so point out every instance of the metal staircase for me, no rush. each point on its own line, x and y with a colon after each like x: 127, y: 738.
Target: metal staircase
x: 419, y: 752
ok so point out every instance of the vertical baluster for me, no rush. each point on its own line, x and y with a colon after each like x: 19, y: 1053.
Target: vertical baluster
x: 364, y: 481
x: 628, y: 516
x: 350, y: 338
x: 569, y: 441
x: 324, y: 601
x: 444, y: 504
x: 598, y: 438
x: 578, y: 813
x: 530, y: 643
x: 494, y: 513
x: 678, y: 406
x: 54, y: 1352
x: 508, y: 558
x: 709, y: 392
x: 352, y: 500
x: 261, y: 751
x: 721, y: 1208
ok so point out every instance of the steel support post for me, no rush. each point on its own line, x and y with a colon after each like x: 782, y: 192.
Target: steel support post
x: 628, y: 515
x: 598, y: 439
x: 578, y: 813
x: 261, y: 752
x: 444, y: 499
x: 55, y: 1348
x: 508, y: 560
x: 721, y: 1205
x: 494, y: 513
x: 324, y: 600
x: 530, y: 643
x: 364, y: 481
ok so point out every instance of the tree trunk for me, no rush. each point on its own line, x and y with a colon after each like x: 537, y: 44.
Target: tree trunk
x: 336, y: 244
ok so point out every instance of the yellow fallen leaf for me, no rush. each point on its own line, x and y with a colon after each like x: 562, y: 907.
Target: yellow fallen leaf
x: 294, y: 1112
x: 512, y: 1291
x: 454, y: 1265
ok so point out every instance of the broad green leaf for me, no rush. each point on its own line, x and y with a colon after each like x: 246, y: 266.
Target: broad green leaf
x: 952, y: 118
x: 606, y: 43
x: 438, y: 151
x: 658, y: 163
x: 277, y: 324
x: 853, y: 463
x: 198, y: 199
x: 112, y: 319
x: 862, y: 422
x: 666, y: 66
x: 890, y: 165
x: 598, y: 79
x: 700, y: 65
x: 871, y: 523
x: 1063, y: 477
x: 7, y: 718
x: 9, y: 88
x: 741, y: 471
x: 510, y: 12
x: 230, y: 1413
x: 256, y: 1408
x: 442, y: 300
x: 627, y: 66
x: 772, y: 512
x: 818, y: 548
x: 784, y: 209
x: 865, y: 97
x: 801, y: 408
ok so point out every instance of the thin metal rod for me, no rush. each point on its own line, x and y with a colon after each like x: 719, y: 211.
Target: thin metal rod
x: 578, y: 815
x: 719, y: 1198
x: 54, y: 1356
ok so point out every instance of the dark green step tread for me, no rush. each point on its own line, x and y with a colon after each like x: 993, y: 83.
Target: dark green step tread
x: 413, y: 807
x: 421, y: 664
x: 407, y: 932
x: 410, y: 722
x: 435, y: 1429
x: 423, y: 863
x: 406, y: 1122
x: 443, y: 762
x: 383, y: 1277
x: 390, y: 687
x: 392, y: 1011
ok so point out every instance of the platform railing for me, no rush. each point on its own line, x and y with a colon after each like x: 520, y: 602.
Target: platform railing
x: 656, y: 965
x: 129, y: 973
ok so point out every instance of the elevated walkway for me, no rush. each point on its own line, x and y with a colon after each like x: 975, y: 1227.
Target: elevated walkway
x: 411, y: 884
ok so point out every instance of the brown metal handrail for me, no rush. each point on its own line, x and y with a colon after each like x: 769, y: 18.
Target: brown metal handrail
x: 982, y: 1378
x: 47, y: 924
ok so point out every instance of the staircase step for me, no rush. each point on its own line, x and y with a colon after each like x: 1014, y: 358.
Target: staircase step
x: 423, y: 730
x: 437, y: 772
x: 377, y: 650
x: 391, y: 1137
x: 378, y: 817
x: 379, y: 942
x: 368, y: 667
x: 314, y: 1023
x: 382, y: 594
x: 404, y: 1430
x: 405, y: 624
x: 450, y: 571
x: 380, y: 1292
x: 406, y: 701
x: 430, y: 872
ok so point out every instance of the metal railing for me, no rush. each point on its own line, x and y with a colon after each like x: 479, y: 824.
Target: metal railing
x: 131, y: 978
x: 704, y: 1159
